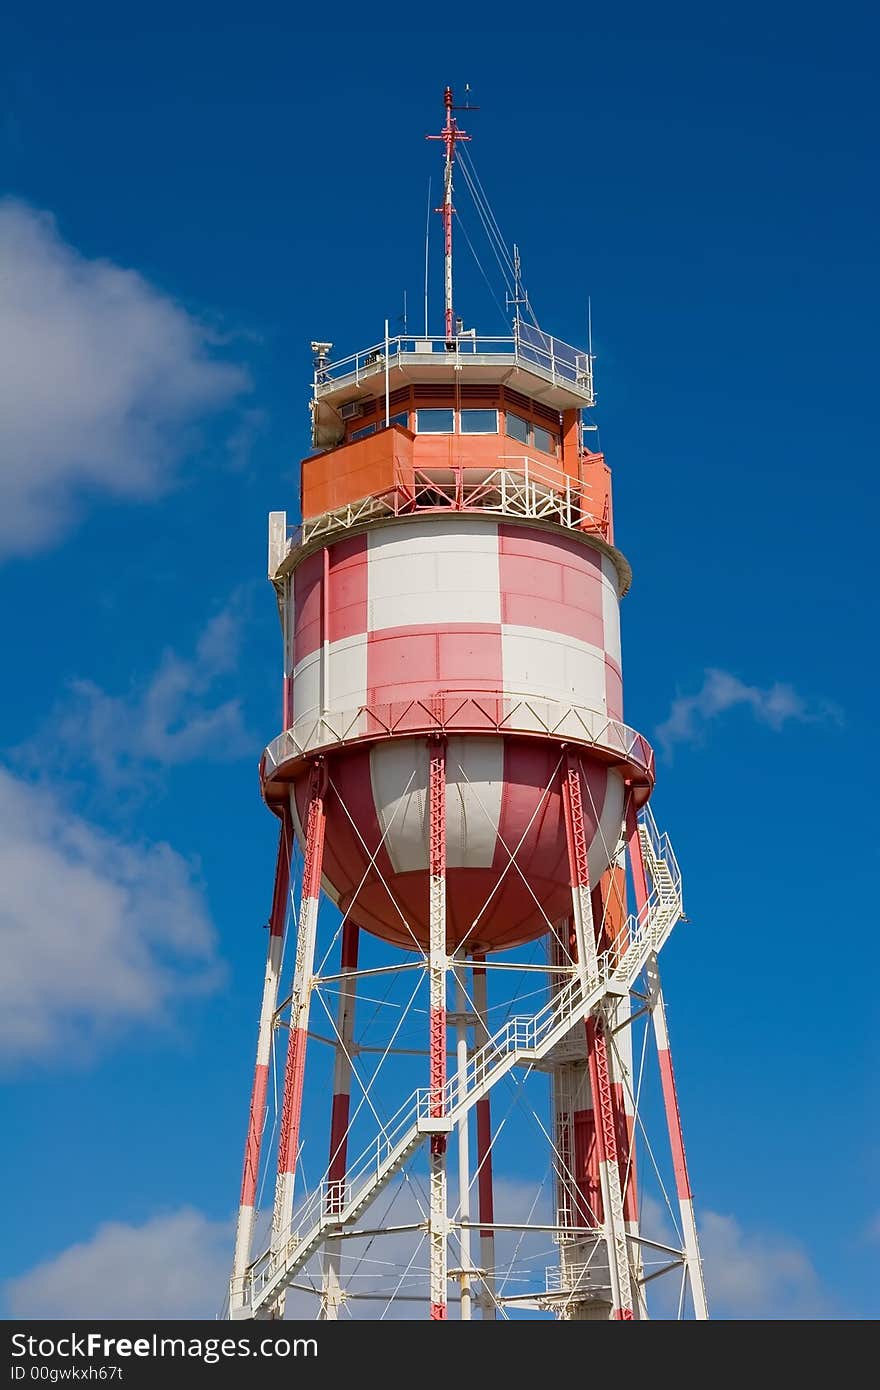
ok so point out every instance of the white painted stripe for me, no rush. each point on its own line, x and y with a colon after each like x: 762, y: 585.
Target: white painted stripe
x: 553, y: 666
x: 604, y: 843
x: 433, y: 573
x: 307, y: 685
x: 474, y: 785
x: 399, y: 776
x: 610, y: 610
x: 348, y: 672
x: 347, y: 683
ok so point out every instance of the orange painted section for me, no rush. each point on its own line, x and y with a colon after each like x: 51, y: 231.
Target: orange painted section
x: 391, y: 458
x: 353, y: 471
x: 571, y: 458
x: 596, y: 477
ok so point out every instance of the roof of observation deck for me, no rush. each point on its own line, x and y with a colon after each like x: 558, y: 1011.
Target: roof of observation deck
x: 531, y: 362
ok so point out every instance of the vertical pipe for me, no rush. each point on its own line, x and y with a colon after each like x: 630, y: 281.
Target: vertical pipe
x: 253, y: 1143
x: 485, y: 1194
x: 287, y: 630
x: 387, y: 382
x: 667, y: 1078
x: 339, y: 1117
x: 464, y: 1163
x: 427, y: 247
x: 437, y: 966
x: 291, y: 1113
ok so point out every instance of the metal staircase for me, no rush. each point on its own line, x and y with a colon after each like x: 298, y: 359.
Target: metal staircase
x: 522, y: 1040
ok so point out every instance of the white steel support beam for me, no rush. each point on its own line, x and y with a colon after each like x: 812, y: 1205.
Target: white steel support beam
x: 463, y: 1133
x: 485, y: 1193
x: 253, y: 1143
x: 332, y: 1294
x: 437, y: 967
x: 288, y: 1146
x: 667, y: 1076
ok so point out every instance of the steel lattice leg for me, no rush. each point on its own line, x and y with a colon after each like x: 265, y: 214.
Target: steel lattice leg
x: 253, y: 1143
x: 609, y: 1172
x: 670, y: 1096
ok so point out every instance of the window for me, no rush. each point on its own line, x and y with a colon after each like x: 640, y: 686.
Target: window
x: 478, y: 421
x: 400, y: 419
x: 435, y: 421
x: 517, y: 427
x: 543, y: 440
x: 361, y: 433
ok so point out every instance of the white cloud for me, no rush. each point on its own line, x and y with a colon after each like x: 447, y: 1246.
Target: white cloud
x: 774, y: 705
x: 95, y: 934
x: 102, y: 377
x: 177, y: 1266
x: 758, y: 1275
x: 173, y: 717
x: 174, y: 1266
x: 748, y: 1274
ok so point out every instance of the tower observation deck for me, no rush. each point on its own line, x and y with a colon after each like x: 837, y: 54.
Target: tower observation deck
x: 454, y: 769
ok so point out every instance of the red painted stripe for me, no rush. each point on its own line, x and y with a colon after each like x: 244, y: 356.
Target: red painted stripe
x: 415, y: 662
x: 531, y: 542
x: 584, y: 1166
x: 281, y: 890
x: 338, y: 1129
x: 438, y: 1312
x: 673, y: 1121
x: 345, y: 858
x: 484, y: 1162
x: 347, y: 607
x: 623, y: 1315
x: 636, y: 862
x: 550, y: 583
x: 307, y: 606
x: 254, y: 1137
x: 350, y: 943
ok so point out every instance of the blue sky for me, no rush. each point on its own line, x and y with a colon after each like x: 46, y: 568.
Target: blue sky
x: 187, y: 201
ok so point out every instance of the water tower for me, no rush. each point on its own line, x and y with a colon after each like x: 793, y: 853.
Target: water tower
x: 455, y: 782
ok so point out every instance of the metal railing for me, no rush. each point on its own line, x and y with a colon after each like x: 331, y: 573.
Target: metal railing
x: 526, y: 488
x: 554, y: 359
x: 461, y: 710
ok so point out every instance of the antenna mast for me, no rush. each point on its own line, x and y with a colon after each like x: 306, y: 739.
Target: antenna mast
x: 450, y: 135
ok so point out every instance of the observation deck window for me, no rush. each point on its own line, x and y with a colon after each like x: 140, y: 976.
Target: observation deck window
x: 543, y: 440
x: 435, y: 421
x: 362, y: 432
x: 478, y: 421
x: 515, y: 427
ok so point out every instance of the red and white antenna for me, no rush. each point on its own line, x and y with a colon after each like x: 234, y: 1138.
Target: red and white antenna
x: 450, y: 135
